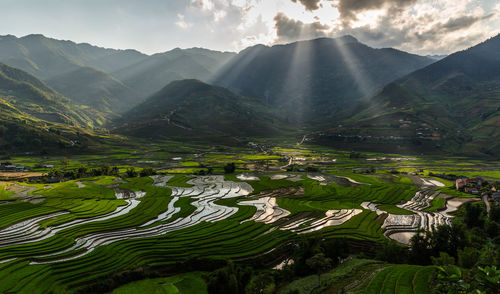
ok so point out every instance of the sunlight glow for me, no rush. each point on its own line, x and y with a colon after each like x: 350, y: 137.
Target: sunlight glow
x: 297, y: 84
x: 368, y: 18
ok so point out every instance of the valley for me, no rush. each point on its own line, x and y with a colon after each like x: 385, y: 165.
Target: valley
x: 126, y: 221
x: 311, y: 163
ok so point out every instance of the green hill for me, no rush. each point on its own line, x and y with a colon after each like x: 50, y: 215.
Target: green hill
x: 451, y: 105
x: 33, y: 115
x: 191, y: 109
x: 315, y: 80
x: 96, y: 89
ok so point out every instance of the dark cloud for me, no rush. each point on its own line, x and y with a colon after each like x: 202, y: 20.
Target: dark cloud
x: 462, y: 22
x: 349, y: 8
x: 433, y: 39
x: 309, y: 4
x: 440, y: 30
x: 437, y: 30
x: 288, y: 29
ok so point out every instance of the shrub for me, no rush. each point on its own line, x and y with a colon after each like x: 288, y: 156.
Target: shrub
x: 468, y: 257
x: 131, y: 172
x: 229, y: 168
x: 148, y: 171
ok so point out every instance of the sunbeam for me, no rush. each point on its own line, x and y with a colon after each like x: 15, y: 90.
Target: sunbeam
x: 297, y: 83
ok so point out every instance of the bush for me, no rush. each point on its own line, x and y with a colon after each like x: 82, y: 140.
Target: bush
x: 229, y: 279
x: 392, y: 252
x: 148, y: 171
x: 474, y: 216
x: 443, y: 259
x: 229, y: 168
x: 468, y: 257
x: 131, y: 172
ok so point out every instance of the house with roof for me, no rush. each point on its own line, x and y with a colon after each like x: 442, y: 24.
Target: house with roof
x: 460, y: 183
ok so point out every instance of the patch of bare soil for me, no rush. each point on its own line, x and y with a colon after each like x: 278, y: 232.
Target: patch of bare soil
x: 18, y: 175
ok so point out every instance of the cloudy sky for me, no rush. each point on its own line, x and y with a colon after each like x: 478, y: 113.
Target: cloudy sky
x: 151, y: 26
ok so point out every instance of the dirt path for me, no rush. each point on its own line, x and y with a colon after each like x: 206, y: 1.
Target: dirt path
x: 302, y: 141
x: 487, y: 203
x: 290, y: 161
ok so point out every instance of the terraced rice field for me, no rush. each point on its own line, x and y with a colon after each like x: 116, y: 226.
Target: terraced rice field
x: 83, y: 231
x: 401, y: 279
x: 401, y: 227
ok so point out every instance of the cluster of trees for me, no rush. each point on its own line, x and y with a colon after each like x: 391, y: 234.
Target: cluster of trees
x: 103, y: 170
x: 229, y: 279
x: 309, y: 256
x: 145, y: 172
x: 82, y: 172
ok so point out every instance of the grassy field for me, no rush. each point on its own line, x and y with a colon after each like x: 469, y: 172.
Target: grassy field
x: 5, y: 195
x: 333, y: 279
x: 190, y: 283
x: 403, y: 279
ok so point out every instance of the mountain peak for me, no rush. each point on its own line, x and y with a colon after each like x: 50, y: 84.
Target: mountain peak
x: 348, y: 39
x: 34, y: 36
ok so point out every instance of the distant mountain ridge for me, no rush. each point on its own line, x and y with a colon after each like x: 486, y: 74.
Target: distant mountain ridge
x: 110, y: 80
x: 46, y: 57
x: 317, y: 78
x: 152, y: 74
x: 451, y: 105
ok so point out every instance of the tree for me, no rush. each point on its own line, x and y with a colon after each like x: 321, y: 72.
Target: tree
x: 131, y: 172
x: 319, y: 263
x: 489, y: 278
x: 495, y: 214
x: 468, y: 257
x: 335, y: 249
x: 473, y: 215
x: 391, y: 252
x: 105, y: 169
x: 55, y: 174
x: 229, y: 168
x: 3, y: 131
x: 420, y: 248
x: 259, y: 283
x: 147, y: 171
x: 443, y: 259
x: 114, y: 171
x: 229, y: 279
x: 82, y: 171
x: 450, y: 280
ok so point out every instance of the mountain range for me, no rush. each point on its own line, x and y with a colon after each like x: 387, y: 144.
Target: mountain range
x: 110, y: 80
x: 341, y: 92
x: 453, y: 105
x: 318, y: 77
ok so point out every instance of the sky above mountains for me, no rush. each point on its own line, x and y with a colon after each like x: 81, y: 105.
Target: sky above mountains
x: 417, y: 26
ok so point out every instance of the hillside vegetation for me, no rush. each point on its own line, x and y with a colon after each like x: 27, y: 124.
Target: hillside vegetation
x: 315, y: 80
x: 192, y: 109
x: 452, y: 105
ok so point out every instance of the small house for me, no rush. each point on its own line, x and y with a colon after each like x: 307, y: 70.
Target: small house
x: 460, y: 183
